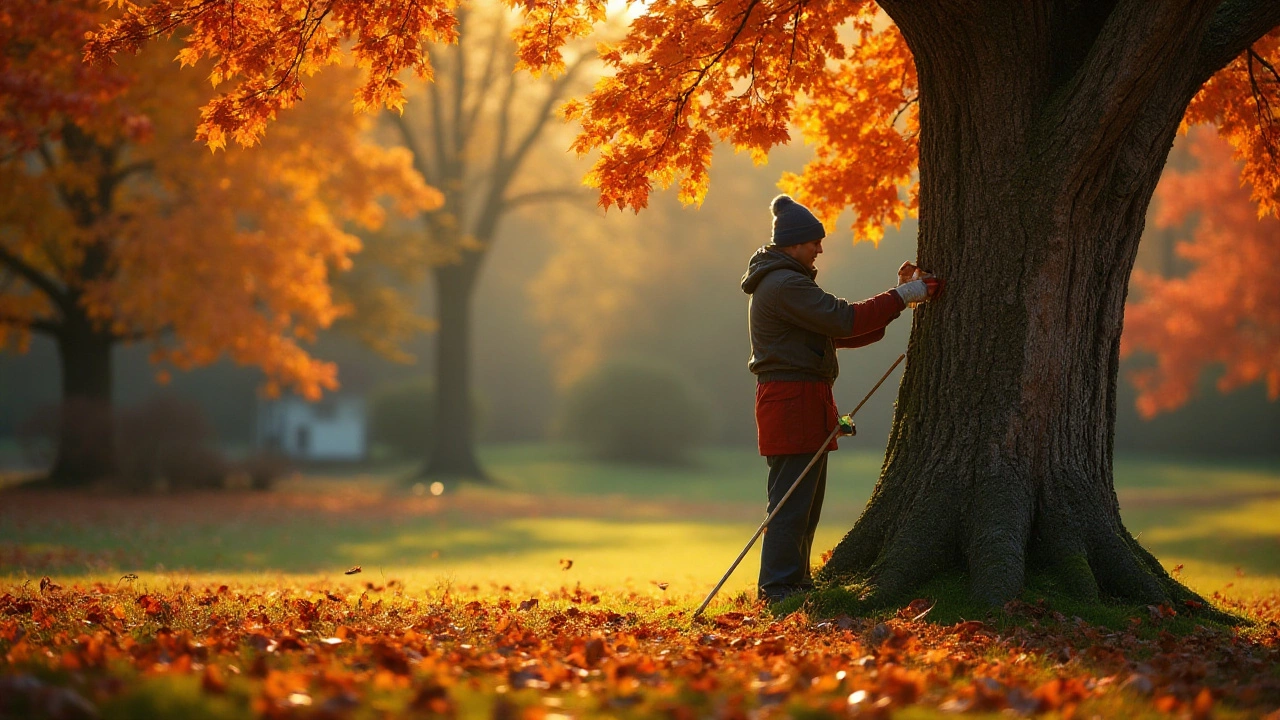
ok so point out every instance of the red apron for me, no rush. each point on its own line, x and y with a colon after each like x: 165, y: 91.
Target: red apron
x: 794, y: 417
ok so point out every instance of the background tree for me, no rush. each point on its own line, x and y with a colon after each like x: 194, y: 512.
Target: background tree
x: 117, y: 228
x: 472, y: 132
x: 1218, y: 313
x: 1040, y: 129
x: 471, y: 139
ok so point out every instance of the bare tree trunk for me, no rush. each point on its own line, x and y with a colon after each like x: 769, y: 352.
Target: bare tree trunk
x: 86, y: 430
x: 999, y: 461
x: 453, y: 446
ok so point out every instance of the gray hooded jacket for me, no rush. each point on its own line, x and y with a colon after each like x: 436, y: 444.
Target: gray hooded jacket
x: 794, y: 323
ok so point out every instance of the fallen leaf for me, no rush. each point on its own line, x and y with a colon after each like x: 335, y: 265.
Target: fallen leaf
x: 213, y: 680
x: 729, y: 620
x: 1202, y: 707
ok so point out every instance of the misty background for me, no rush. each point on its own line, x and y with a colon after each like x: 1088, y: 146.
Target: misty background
x: 567, y: 288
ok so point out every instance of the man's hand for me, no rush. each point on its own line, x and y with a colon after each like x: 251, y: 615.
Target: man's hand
x: 915, y: 285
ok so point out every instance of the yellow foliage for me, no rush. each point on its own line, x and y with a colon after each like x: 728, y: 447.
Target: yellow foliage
x: 209, y: 254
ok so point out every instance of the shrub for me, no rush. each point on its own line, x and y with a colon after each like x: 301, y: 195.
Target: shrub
x: 633, y: 412
x: 262, y: 469
x: 166, y: 443
x: 402, y: 416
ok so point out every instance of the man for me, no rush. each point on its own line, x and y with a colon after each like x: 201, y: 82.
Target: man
x: 795, y: 330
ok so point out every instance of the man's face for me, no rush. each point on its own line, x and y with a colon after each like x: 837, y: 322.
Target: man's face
x: 806, y: 253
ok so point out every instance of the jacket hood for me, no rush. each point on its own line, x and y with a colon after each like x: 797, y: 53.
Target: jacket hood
x: 766, y: 260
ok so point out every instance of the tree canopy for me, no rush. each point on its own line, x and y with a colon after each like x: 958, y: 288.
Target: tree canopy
x: 1219, y: 312
x: 115, y: 214
x: 685, y: 76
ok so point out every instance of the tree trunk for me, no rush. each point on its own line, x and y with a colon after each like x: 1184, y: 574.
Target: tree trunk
x: 999, y: 462
x: 86, y: 431
x: 453, y: 445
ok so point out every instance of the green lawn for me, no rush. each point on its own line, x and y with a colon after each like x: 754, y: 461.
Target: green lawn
x: 631, y: 528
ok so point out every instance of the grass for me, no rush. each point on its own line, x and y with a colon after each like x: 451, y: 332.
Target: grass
x: 651, y: 541
x: 718, y: 475
x: 634, y: 527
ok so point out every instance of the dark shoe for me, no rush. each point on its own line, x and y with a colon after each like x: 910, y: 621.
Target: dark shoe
x: 776, y: 595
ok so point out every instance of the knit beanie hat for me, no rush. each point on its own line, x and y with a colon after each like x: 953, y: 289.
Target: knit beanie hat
x: 793, y: 224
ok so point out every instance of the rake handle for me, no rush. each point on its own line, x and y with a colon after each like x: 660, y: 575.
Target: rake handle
x: 821, y: 449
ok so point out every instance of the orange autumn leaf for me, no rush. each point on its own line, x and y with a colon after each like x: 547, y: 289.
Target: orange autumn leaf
x: 684, y: 77
x: 424, y: 652
x: 114, y: 218
x: 277, y: 46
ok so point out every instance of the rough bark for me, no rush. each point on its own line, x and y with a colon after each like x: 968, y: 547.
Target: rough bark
x: 1044, y: 129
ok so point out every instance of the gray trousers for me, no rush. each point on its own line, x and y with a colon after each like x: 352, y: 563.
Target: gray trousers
x: 788, y: 541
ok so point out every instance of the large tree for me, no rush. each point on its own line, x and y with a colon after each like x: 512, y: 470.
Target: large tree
x: 1039, y: 130
x: 115, y: 227
x: 473, y: 131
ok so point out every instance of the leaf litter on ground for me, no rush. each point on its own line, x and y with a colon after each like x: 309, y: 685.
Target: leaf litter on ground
x: 336, y: 651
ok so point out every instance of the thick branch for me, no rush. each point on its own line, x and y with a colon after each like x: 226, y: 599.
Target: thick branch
x: 51, y: 166
x: 486, y: 78
x: 504, y: 117
x: 1235, y: 25
x: 546, y: 112
x: 443, y: 155
x: 1130, y: 59
x: 47, y: 327
x: 459, y: 85
x: 421, y: 162
x: 57, y: 295
x: 125, y: 171
x: 505, y: 166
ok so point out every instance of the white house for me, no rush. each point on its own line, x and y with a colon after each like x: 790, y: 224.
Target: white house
x: 334, y: 428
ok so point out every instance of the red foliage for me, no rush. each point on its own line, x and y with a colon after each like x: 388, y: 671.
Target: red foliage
x: 1223, y: 311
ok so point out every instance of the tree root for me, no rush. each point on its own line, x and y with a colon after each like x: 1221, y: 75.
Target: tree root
x: 1085, y: 557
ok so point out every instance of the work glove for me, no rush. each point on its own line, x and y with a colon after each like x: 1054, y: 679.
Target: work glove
x: 913, y: 293
x: 915, y: 285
